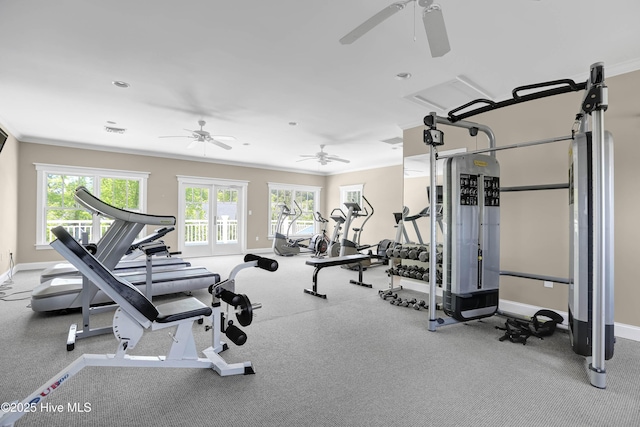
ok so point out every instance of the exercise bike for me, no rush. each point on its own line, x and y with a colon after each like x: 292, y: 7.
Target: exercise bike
x: 319, y: 243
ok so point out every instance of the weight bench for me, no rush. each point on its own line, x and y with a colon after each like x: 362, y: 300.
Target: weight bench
x: 320, y: 263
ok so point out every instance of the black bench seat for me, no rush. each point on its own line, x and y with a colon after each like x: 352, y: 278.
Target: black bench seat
x: 182, y: 309
x: 320, y: 263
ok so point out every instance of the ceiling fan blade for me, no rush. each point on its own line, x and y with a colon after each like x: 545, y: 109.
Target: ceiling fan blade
x: 178, y: 136
x: 223, y: 137
x: 372, y: 22
x: 338, y: 159
x: 311, y: 156
x: 219, y: 144
x: 302, y: 160
x: 436, y: 30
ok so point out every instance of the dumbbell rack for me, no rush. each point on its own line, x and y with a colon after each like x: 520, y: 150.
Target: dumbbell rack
x: 410, y: 261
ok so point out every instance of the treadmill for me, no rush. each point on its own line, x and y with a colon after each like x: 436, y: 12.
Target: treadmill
x: 118, y: 240
x: 61, y: 290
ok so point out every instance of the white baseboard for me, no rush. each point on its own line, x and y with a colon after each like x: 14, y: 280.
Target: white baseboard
x: 621, y: 330
x: 268, y: 250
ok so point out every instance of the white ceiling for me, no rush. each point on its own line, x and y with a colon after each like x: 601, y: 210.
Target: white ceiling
x: 250, y: 67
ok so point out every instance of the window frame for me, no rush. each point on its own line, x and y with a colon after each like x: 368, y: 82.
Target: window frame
x: 44, y: 169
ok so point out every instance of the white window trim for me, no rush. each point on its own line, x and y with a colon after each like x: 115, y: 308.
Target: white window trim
x: 294, y: 187
x: 43, y: 169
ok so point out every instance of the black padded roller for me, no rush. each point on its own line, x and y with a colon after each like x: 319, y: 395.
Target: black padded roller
x: 264, y: 263
x: 229, y: 297
x: 235, y: 334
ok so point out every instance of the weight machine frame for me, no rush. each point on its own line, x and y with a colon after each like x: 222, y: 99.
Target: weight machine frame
x: 591, y: 115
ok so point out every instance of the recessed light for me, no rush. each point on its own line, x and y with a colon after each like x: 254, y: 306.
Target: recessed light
x: 293, y: 123
x: 403, y: 76
x: 245, y: 143
x: 119, y: 83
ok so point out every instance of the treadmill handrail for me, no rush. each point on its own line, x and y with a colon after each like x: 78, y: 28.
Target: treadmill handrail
x: 97, y: 206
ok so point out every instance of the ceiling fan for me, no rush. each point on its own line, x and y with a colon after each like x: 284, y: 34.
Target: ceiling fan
x: 431, y: 17
x: 202, y: 135
x: 323, y: 157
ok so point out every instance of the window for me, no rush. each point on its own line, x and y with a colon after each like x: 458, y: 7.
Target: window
x: 301, y: 201
x: 351, y: 193
x: 56, y: 203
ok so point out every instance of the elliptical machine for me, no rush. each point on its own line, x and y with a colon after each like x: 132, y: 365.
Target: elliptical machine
x: 282, y: 245
x: 334, y: 244
x: 285, y: 246
x: 352, y: 247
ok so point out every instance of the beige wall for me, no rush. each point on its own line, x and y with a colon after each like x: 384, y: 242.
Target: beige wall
x: 162, y: 189
x: 534, y: 232
x: 8, y: 203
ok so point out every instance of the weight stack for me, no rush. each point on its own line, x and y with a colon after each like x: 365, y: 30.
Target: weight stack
x: 581, y: 245
x: 471, y: 252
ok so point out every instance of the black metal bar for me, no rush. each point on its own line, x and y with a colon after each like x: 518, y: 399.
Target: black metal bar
x: 536, y: 277
x: 567, y: 86
x: 561, y: 186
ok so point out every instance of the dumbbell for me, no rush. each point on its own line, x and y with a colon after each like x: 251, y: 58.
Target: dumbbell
x: 424, y: 256
x: 408, y: 302
x: 421, y: 304
x: 414, y: 252
x: 416, y: 273
x: 404, y: 252
x: 419, y: 274
x: 387, y: 294
x: 391, y: 251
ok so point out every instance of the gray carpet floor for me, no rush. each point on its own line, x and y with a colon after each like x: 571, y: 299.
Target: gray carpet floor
x: 350, y: 360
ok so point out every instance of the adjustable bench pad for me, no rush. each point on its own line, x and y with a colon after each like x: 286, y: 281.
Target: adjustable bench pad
x: 182, y: 309
x: 342, y: 260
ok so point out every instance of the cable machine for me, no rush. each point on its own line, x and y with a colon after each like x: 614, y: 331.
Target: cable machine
x: 472, y: 200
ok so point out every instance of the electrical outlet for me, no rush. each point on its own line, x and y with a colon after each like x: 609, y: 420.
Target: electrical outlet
x: 257, y: 238
x: 548, y: 284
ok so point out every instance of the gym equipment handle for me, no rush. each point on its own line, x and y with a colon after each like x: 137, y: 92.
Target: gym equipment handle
x: 264, y: 263
x: 569, y: 85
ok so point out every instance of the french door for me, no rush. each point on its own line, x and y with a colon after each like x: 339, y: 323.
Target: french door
x: 212, y: 216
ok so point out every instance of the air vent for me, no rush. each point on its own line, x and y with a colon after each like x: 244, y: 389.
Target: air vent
x: 111, y: 129
x: 393, y: 141
x: 448, y: 95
